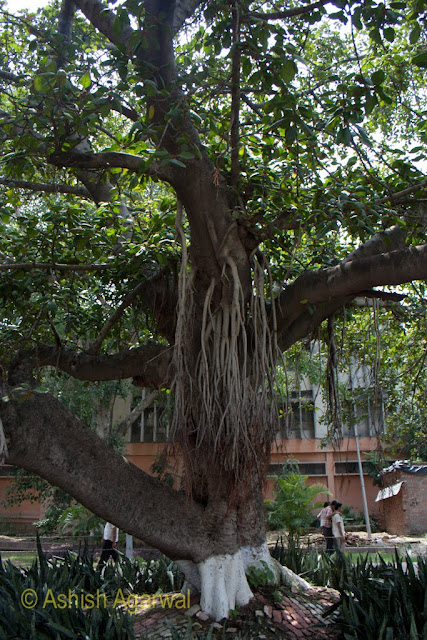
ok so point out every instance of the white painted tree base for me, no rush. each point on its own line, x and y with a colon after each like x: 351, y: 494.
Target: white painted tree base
x: 222, y: 582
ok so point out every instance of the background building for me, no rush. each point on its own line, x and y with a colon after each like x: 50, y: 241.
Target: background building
x: 303, y: 435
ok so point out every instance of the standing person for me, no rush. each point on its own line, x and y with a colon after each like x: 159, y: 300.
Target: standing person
x: 109, y: 544
x: 325, y: 517
x: 338, y: 527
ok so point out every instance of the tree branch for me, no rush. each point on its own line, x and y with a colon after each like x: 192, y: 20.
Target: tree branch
x: 382, y: 295
x: 103, y: 19
x: 349, y: 279
x: 112, y: 159
x: 44, y: 437
x: 290, y: 13
x: 184, y: 9
x: 46, y: 188
x: 11, y: 77
x: 97, y: 160
x: 399, y: 195
x: 52, y: 266
x: 140, y: 288
x: 304, y: 323
x: 149, y: 365
x: 235, y: 96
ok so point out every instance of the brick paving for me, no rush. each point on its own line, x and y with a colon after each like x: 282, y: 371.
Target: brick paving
x: 297, y: 616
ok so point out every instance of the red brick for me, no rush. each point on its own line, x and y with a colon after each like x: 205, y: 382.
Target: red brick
x: 277, y: 616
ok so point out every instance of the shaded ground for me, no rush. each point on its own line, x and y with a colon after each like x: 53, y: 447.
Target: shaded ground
x: 359, y: 540
x: 270, y: 615
x: 58, y: 546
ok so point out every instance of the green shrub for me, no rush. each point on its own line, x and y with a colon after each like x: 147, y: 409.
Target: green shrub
x: 75, y: 574
x: 312, y: 565
x: 385, y: 601
x: 294, y: 501
x: 260, y: 576
x: 77, y: 520
x: 192, y: 634
x: 379, y: 600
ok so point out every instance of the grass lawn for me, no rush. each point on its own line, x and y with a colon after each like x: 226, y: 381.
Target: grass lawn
x: 19, y: 558
x: 373, y: 555
x: 26, y: 558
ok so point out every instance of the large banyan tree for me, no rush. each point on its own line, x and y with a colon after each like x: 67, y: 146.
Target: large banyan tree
x: 188, y: 189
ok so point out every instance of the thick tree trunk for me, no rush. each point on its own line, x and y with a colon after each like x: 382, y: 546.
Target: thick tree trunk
x: 214, y: 539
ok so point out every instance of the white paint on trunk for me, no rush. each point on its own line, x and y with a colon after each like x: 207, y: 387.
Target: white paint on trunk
x: 221, y: 579
x: 292, y: 580
x: 224, y: 585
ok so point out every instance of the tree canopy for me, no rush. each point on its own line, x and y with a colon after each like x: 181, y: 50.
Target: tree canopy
x: 188, y: 190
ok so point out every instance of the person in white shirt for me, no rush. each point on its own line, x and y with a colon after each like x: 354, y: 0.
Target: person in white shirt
x: 338, y: 527
x: 109, y: 544
x: 325, y: 517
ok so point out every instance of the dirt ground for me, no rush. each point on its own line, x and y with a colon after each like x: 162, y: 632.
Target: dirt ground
x: 359, y: 539
x: 313, y: 539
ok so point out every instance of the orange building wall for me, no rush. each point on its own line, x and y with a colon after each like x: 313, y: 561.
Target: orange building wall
x: 345, y: 488
x: 21, y: 516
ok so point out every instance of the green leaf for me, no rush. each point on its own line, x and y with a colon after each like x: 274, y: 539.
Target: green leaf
x: 40, y: 84
x: 414, y: 36
x: 177, y: 163
x: 378, y: 77
x: 291, y: 134
x: 371, y: 103
x: 376, y: 36
x: 344, y: 136
x: 389, y: 34
x: 420, y: 60
x: 288, y: 71
x: 85, y: 81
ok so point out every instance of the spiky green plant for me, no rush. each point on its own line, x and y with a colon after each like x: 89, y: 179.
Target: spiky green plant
x: 75, y: 574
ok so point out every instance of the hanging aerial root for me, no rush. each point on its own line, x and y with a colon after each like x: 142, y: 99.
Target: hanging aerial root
x: 225, y: 396
x: 3, y: 443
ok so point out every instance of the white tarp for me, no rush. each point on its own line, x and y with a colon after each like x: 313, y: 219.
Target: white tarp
x: 389, y: 492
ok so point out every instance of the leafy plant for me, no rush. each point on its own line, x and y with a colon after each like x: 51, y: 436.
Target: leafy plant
x: 37, y: 618
x: 76, y: 574
x: 385, y: 601
x: 314, y: 566
x: 293, y: 503
x: 189, y: 633
x: 77, y: 520
x: 260, y: 576
x: 379, y: 599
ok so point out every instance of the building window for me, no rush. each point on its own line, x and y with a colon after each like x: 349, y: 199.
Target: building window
x: 152, y: 425
x: 363, y: 409
x: 306, y: 468
x: 312, y: 468
x: 345, y: 468
x: 298, y: 416
x: 8, y: 470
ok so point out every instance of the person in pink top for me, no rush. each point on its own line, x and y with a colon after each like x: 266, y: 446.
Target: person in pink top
x: 325, y: 517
